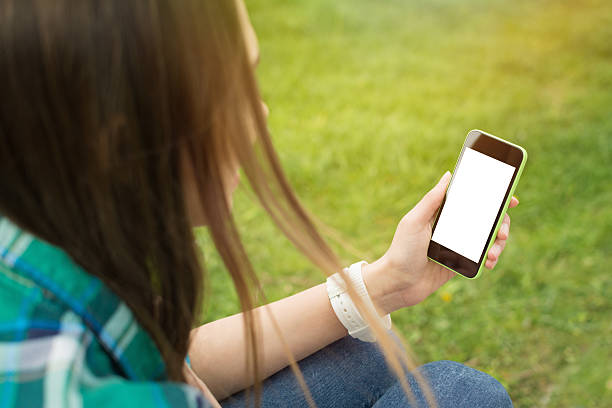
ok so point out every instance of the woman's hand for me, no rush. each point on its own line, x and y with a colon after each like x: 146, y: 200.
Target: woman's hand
x: 404, y: 276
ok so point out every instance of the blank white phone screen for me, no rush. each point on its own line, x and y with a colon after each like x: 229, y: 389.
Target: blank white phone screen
x: 472, y: 203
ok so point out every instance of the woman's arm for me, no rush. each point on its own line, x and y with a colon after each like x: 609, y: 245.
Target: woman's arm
x: 307, y: 321
x: 402, y: 277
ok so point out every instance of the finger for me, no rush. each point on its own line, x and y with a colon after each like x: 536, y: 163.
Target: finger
x: 492, y: 255
x: 490, y: 264
x: 496, y: 249
x: 429, y: 204
x: 504, y: 230
x: 513, y: 202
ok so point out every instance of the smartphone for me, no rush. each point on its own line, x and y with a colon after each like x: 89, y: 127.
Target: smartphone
x: 478, y: 195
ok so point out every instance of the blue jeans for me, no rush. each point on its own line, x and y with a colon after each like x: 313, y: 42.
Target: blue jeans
x: 351, y: 373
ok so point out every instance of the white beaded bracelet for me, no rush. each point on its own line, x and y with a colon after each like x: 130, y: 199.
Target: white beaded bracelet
x: 344, y: 307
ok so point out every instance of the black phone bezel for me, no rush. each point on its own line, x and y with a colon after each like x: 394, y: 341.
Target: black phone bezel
x: 497, y: 149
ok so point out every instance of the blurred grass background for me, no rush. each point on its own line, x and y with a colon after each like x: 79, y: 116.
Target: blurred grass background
x: 370, y: 103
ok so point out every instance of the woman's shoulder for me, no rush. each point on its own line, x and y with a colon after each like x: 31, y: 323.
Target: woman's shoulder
x: 66, y: 338
x: 41, y: 341
x: 49, y: 357
x: 46, y: 294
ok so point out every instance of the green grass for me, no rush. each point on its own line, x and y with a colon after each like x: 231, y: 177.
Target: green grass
x: 370, y: 103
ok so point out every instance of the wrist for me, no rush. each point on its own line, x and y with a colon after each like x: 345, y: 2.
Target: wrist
x: 343, y: 304
x: 382, y: 293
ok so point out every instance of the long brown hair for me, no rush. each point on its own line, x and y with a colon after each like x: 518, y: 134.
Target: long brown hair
x: 102, y: 103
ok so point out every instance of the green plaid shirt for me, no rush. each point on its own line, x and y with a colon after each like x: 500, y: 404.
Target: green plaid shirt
x: 67, y: 340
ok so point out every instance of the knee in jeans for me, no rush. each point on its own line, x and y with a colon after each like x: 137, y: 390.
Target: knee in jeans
x: 366, y: 356
x: 475, y: 387
x: 368, y: 353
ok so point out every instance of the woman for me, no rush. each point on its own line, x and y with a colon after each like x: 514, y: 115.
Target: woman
x: 123, y: 125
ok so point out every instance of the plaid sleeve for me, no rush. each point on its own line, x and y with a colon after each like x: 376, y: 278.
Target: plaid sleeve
x: 62, y: 370
x: 50, y: 358
x: 66, y: 340
x: 148, y: 394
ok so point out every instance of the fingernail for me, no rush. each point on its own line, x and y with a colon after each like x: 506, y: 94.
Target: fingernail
x: 445, y: 175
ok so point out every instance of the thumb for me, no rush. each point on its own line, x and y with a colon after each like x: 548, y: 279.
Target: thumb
x: 429, y: 204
